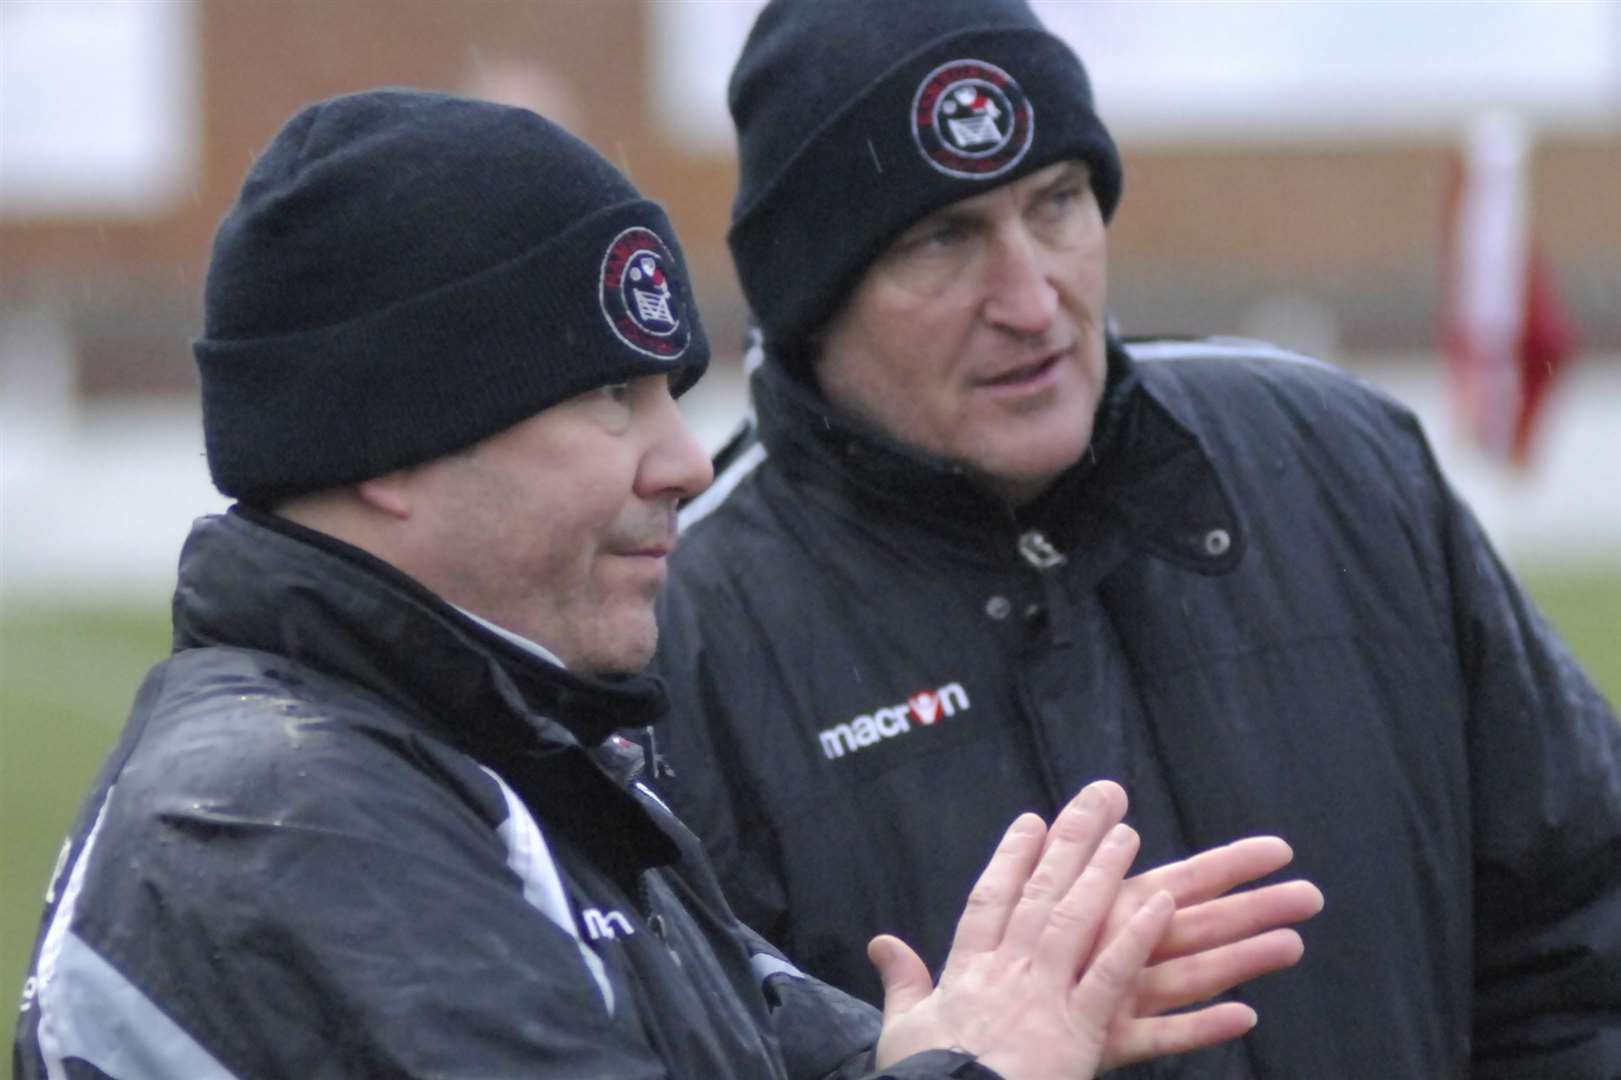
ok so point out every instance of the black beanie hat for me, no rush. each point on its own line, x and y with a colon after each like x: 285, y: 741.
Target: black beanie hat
x: 856, y: 118
x: 406, y: 273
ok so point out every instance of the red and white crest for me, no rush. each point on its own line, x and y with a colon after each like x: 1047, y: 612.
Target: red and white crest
x: 971, y: 119
x: 639, y: 295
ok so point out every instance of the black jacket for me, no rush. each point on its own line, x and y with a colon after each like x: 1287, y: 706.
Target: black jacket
x: 1259, y: 606
x: 347, y: 833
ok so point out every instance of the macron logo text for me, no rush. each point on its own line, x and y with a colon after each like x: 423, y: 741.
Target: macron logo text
x: 925, y: 707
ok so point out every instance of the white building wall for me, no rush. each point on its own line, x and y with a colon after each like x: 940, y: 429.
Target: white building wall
x: 96, y: 499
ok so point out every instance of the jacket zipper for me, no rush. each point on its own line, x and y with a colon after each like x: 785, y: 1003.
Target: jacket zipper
x: 1038, y: 552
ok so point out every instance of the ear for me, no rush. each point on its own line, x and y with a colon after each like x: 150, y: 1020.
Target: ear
x: 390, y: 493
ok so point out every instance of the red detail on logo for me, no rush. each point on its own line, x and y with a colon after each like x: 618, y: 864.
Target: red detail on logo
x: 638, y: 297
x: 925, y: 706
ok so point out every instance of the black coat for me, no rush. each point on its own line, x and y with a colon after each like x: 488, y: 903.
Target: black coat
x: 347, y: 833
x: 1258, y: 605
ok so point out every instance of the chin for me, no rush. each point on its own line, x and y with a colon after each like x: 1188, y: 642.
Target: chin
x: 1046, y: 462
x: 627, y: 652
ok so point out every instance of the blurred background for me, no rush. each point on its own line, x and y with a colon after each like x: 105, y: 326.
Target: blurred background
x: 1293, y: 172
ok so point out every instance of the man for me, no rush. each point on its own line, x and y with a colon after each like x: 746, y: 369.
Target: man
x: 981, y: 553
x: 368, y: 819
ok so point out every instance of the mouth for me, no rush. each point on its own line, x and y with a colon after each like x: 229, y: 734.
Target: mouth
x: 1025, y: 374
x: 651, y: 549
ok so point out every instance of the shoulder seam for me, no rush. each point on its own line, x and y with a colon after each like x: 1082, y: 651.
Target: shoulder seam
x: 1173, y: 349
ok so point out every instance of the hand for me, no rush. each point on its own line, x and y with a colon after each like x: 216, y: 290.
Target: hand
x: 1214, y: 941
x: 1013, y: 991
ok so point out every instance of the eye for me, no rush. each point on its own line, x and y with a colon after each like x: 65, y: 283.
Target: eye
x: 928, y: 240
x: 1064, y: 197
x: 618, y: 392
x: 944, y: 235
x: 937, y: 232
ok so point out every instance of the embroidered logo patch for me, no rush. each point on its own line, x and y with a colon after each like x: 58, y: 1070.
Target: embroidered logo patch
x: 639, y: 296
x: 971, y: 119
x: 924, y: 708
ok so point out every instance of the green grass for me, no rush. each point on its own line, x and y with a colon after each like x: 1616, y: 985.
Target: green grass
x: 66, y: 682
x: 67, y: 679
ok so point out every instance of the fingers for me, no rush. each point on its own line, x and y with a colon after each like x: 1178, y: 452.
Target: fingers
x: 1113, y: 974
x: 1031, y: 871
x: 1138, y: 1040
x: 991, y: 901
x: 905, y: 977
x: 1071, y: 843
x: 1175, y: 983
x: 1099, y: 793
x: 1212, y: 873
x: 1071, y: 927
x: 1233, y: 918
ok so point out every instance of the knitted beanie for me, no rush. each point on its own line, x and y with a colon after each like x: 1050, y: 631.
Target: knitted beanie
x: 857, y: 118
x: 406, y: 273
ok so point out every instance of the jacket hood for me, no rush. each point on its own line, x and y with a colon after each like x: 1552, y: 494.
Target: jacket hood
x: 1145, y: 470
x: 253, y: 580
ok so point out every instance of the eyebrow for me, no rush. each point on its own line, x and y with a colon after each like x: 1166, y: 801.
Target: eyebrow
x: 1072, y: 171
x: 951, y: 214
x: 956, y: 214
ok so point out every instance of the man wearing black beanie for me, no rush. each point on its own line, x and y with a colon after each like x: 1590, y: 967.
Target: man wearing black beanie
x: 976, y: 551
x: 371, y: 817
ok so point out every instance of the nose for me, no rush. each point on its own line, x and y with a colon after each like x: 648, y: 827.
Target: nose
x: 1020, y: 296
x: 675, y: 464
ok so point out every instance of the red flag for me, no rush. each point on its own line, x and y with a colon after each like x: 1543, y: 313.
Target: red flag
x: 1547, y: 344
x: 1506, y: 332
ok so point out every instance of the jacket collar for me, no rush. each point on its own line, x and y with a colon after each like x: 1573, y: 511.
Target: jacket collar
x: 1146, y: 476
x: 252, y: 580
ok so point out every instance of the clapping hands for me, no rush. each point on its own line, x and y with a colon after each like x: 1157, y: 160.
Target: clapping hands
x: 1062, y: 967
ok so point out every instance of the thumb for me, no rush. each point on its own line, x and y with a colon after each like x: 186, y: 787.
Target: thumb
x: 905, y: 977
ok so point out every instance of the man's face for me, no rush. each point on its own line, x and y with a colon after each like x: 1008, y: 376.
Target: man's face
x: 558, y: 527
x: 978, y: 336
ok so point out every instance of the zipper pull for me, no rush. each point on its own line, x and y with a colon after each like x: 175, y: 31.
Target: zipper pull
x: 1039, y: 552
x: 654, y: 768
x: 656, y: 924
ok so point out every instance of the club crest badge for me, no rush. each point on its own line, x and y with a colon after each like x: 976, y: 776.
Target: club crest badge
x: 971, y: 119
x: 640, y: 297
